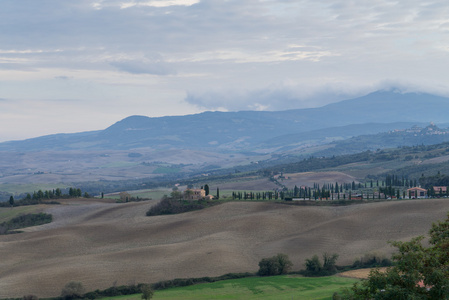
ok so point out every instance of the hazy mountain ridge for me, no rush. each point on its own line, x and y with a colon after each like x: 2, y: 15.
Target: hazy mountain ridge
x: 249, y: 130
x: 412, y: 136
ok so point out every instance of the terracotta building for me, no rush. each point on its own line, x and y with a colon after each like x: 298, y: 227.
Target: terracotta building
x: 417, y: 192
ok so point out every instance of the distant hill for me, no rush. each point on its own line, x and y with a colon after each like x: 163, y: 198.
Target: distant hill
x: 253, y: 130
x: 414, y: 136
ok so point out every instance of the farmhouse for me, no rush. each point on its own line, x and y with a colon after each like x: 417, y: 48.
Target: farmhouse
x: 417, y: 192
x: 194, y: 194
x: 440, y: 190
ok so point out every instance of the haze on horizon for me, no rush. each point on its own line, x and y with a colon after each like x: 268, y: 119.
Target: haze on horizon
x: 71, y: 66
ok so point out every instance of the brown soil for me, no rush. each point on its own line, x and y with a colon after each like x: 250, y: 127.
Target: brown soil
x: 100, y: 243
x: 359, y: 274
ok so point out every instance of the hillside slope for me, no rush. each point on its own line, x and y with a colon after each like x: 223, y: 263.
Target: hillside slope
x: 100, y: 243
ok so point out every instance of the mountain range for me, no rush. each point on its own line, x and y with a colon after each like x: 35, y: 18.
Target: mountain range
x: 261, y: 131
x: 140, y: 148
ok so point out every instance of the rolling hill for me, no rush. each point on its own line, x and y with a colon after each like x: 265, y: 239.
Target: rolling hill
x: 138, y: 149
x: 100, y: 244
x: 249, y: 130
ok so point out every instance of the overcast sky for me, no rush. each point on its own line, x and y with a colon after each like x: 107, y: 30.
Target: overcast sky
x: 71, y: 66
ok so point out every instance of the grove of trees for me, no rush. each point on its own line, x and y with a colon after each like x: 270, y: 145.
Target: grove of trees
x: 314, y: 267
x: 276, y: 265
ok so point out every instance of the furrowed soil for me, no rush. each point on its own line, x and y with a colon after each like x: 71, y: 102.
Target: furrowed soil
x: 100, y: 243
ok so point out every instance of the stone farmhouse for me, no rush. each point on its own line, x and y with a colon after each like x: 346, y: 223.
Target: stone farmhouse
x: 196, y: 194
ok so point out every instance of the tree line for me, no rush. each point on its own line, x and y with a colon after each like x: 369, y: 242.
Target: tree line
x: 38, y: 197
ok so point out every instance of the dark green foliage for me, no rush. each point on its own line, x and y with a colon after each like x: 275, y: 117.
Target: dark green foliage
x: 315, y: 268
x: 371, y: 261
x: 121, y: 290
x: 28, y: 200
x: 43, y: 197
x: 420, y: 272
x: 435, y: 180
x: 329, y: 262
x: 313, y: 264
x: 73, y: 192
x: 178, y: 282
x: 165, y: 284
x: 72, y: 290
x: 23, y: 221
x: 276, y: 265
x: 168, y: 206
x: 147, y: 292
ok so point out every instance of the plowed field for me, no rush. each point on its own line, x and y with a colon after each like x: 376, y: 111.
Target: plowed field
x: 101, y: 243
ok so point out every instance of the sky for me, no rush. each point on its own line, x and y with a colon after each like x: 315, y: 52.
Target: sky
x: 81, y: 65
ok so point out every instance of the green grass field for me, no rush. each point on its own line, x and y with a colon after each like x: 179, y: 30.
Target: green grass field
x: 166, y: 170
x: 277, y: 287
x: 7, y: 213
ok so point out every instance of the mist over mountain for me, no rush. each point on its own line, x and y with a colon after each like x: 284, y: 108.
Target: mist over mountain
x: 254, y: 130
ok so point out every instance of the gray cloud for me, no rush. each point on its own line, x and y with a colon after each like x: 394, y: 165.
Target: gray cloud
x: 232, y: 55
x: 144, y: 66
x: 62, y: 77
x: 276, y: 98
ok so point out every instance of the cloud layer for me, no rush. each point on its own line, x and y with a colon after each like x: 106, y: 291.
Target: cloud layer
x: 117, y: 58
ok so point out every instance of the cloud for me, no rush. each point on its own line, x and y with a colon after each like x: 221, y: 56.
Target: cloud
x: 281, y: 97
x: 155, y: 66
x: 62, y: 77
x: 230, y: 55
x: 160, y: 3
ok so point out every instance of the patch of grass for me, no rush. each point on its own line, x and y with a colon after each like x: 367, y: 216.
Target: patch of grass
x: 271, y: 288
x: 8, y: 213
x: 166, y: 170
x: 24, y: 221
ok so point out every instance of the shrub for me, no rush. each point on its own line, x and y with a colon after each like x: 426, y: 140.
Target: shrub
x: 147, y: 292
x: 190, y: 281
x: 276, y: 265
x: 314, y: 267
x: 371, y: 261
x: 169, y: 206
x: 72, y: 290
